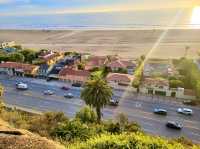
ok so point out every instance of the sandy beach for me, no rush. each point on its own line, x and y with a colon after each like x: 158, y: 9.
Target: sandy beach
x: 125, y: 43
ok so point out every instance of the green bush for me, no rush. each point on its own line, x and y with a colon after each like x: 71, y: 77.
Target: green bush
x: 87, y: 115
x: 176, y: 83
x: 132, y: 127
x: 46, y: 123
x: 121, y: 70
x: 16, y: 57
x: 73, y: 130
x: 128, y: 141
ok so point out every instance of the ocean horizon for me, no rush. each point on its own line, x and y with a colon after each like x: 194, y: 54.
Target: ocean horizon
x: 147, y: 19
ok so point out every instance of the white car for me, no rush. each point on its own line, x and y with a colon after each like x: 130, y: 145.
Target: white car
x: 185, y: 111
x: 22, y: 86
x: 48, y: 92
x: 68, y: 95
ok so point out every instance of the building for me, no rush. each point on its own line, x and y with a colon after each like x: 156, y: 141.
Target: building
x: 156, y: 68
x: 74, y: 76
x: 50, y: 57
x: 7, y: 44
x: 85, y: 56
x: 43, y: 70
x: 116, y: 65
x: 19, y: 69
x: 96, y: 62
x: 156, y: 86
x: 9, y: 49
x: 115, y: 79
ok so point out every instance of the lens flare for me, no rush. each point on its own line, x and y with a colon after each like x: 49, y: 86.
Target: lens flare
x: 195, y: 20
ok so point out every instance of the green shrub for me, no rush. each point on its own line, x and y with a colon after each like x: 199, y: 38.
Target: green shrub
x: 73, y: 130
x: 15, y: 118
x: 128, y: 141
x: 132, y: 127
x: 16, y: 57
x: 176, y: 83
x: 87, y: 115
x: 46, y: 123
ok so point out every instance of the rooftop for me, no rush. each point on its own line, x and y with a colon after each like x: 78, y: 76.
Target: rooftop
x: 70, y: 71
x: 121, y: 64
x: 120, y: 77
x: 25, y: 67
x: 155, y: 82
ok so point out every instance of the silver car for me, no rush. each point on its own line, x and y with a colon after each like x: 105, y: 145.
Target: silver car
x: 68, y: 95
x: 185, y: 111
x: 48, y: 92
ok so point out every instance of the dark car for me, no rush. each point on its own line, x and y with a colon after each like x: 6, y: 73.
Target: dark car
x: 48, y: 79
x: 65, y: 88
x: 160, y: 111
x: 76, y: 85
x: 114, y: 102
x: 174, y: 125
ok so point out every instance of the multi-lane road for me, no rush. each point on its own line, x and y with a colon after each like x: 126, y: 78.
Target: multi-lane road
x: 137, y: 107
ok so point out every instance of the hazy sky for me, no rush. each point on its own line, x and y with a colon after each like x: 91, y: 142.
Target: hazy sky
x: 41, y: 7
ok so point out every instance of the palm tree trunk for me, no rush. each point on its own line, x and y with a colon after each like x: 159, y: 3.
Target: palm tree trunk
x: 98, y: 110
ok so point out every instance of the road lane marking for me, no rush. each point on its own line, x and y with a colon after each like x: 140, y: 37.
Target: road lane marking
x: 40, y: 97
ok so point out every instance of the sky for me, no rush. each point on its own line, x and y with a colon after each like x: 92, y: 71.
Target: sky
x: 47, y: 7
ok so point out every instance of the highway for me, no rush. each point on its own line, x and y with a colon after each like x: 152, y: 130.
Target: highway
x: 137, y: 107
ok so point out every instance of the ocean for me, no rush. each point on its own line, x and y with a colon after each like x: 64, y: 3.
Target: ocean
x: 107, y: 20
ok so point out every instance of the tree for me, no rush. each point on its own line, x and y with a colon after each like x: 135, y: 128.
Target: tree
x: 97, y: 93
x: 87, y: 115
x: 122, y: 119
x: 176, y: 83
x: 81, y: 66
x: 121, y: 70
x: 29, y: 55
x: 16, y: 57
x: 18, y: 47
x: 198, y: 89
x: 73, y: 130
x: 46, y: 123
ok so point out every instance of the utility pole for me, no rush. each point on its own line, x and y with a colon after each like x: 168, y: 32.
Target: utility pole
x: 186, y: 51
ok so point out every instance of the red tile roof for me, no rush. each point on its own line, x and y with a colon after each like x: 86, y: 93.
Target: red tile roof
x: 49, y: 55
x: 96, y: 61
x: 119, y: 77
x: 70, y: 71
x: 15, y: 65
x: 120, y: 64
x: 155, y: 82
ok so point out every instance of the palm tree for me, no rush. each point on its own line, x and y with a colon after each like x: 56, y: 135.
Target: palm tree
x: 97, y: 93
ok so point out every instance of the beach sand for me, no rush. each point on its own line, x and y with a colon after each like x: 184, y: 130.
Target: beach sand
x: 125, y: 43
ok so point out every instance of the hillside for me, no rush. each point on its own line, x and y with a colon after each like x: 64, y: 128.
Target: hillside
x: 11, y: 138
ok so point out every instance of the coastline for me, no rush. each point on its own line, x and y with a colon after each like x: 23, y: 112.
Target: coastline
x: 128, y: 43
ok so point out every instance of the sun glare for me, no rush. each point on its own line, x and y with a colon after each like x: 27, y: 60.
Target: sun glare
x: 195, y: 20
